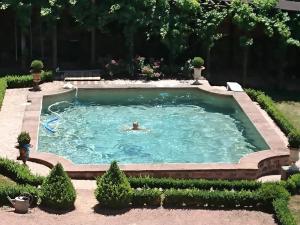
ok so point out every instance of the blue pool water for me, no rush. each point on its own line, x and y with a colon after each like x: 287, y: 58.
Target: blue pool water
x: 182, y: 126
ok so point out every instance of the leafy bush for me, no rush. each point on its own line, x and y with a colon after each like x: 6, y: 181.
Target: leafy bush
x: 271, y: 191
x: 113, y: 189
x: 19, y: 173
x: 198, y: 62
x: 16, y: 190
x: 148, y: 197
x: 167, y: 183
x: 293, y: 184
x: 36, y: 66
x: 57, y: 190
x: 294, y: 139
x: 269, y: 106
x: 282, y: 212
x: 22, y: 81
x: 24, y: 138
x: 200, y: 198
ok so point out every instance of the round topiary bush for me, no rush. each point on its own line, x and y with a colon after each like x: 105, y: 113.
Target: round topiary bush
x: 57, y: 190
x: 197, y: 62
x: 294, y: 139
x: 36, y: 66
x: 23, y: 138
x: 113, y: 189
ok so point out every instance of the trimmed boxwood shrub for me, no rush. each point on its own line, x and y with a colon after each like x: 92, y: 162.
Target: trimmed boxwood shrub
x: 19, y: 173
x: 167, y: 183
x: 201, y: 198
x: 293, y: 184
x: 271, y: 191
x: 282, y: 212
x: 57, y: 190
x: 22, y: 81
x: 113, y: 189
x: 3, y: 86
x: 36, y: 66
x: 146, y: 197
x: 23, y: 138
x: 294, y: 139
x: 16, y: 190
x: 197, y: 62
x: 269, y: 106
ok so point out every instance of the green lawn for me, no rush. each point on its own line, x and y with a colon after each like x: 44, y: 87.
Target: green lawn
x: 291, y: 110
x: 294, y: 206
x: 6, y: 181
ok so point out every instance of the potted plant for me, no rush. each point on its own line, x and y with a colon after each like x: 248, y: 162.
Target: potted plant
x: 24, y: 145
x: 36, y: 69
x: 198, y: 63
x: 294, y: 146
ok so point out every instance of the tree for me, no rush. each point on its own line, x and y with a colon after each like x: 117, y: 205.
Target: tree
x: 85, y: 13
x: 182, y: 15
x: 131, y: 16
x: 207, y: 29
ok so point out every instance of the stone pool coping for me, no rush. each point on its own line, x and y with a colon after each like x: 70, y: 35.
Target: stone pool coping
x: 251, y: 166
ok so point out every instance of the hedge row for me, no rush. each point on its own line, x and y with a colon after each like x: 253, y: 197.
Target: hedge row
x: 269, y: 106
x: 18, y: 81
x: 146, y: 197
x: 3, y: 86
x: 168, y: 183
x: 282, y: 212
x: 16, y: 190
x: 19, y: 173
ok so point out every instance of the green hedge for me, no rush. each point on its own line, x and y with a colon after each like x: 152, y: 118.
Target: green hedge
x: 22, y: 81
x: 204, y: 198
x: 282, y: 212
x: 16, y: 190
x: 146, y: 197
x: 167, y: 183
x: 3, y: 86
x: 293, y: 184
x: 19, y: 173
x: 269, y: 106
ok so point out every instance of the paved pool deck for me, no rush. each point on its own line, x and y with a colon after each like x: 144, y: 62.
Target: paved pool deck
x: 18, y: 114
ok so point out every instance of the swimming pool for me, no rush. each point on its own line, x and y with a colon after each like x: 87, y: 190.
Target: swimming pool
x: 181, y: 126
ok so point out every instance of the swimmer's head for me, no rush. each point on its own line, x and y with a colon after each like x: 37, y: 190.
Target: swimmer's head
x: 135, y: 125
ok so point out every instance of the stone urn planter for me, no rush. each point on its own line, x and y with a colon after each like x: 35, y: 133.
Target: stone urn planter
x: 198, y: 63
x: 294, y: 146
x: 36, y: 70
x: 24, y: 146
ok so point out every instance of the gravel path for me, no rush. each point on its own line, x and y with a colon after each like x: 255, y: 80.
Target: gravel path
x: 85, y: 214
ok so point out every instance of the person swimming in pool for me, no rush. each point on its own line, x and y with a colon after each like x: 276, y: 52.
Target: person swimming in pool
x: 135, y: 126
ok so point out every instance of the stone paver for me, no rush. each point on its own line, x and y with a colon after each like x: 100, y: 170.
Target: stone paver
x: 85, y: 214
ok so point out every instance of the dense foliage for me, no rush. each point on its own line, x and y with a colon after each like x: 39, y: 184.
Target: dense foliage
x: 146, y: 197
x: 22, y: 81
x: 19, y: 173
x: 282, y: 212
x: 294, y: 139
x: 181, y: 27
x: 23, y: 138
x: 113, y: 189
x: 197, y: 62
x: 57, y: 190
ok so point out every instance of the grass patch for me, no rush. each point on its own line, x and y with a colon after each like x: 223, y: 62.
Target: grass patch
x: 291, y: 110
x: 294, y: 206
x: 5, y: 181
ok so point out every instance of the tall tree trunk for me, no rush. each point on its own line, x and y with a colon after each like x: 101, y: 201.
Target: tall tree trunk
x: 16, y: 41
x: 245, y: 64
x: 54, y: 46
x: 129, y: 35
x: 41, y: 41
x: 93, y: 46
x: 208, y: 54
x: 30, y: 36
x: 23, y: 50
